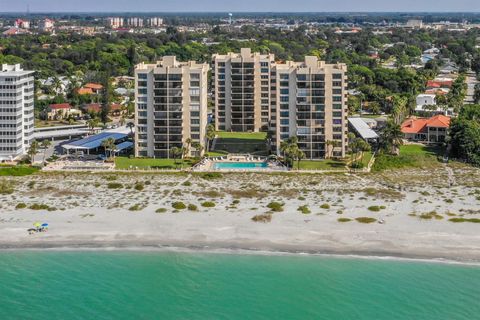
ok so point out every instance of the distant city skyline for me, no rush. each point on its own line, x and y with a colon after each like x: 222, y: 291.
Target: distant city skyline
x: 239, y: 6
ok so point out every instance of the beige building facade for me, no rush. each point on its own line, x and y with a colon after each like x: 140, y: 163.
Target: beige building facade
x: 170, y: 107
x: 242, y: 92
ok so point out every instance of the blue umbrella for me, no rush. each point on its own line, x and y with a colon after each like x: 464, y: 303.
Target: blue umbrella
x: 45, y: 225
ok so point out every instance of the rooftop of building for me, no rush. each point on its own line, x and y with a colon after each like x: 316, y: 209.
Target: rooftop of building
x: 13, y: 70
x: 171, y: 62
x: 417, y: 125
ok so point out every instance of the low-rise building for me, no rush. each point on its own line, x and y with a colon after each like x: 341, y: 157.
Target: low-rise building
x: 59, y: 111
x: 428, y: 130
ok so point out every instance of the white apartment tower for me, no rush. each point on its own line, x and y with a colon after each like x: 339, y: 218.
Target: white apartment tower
x: 155, y: 22
x: 170, y: 106
x: 311, y: 104
x: 115, y: 22
x: 16, y: 111
x: 242, y: 90
x: 135, y: 22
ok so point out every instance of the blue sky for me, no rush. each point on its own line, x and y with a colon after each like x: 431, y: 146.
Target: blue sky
x: 241, y: 5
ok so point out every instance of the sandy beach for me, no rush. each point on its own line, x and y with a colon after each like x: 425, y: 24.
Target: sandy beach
x: 91, y: 210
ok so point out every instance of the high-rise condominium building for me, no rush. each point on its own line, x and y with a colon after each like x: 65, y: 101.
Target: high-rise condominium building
x: 242, y: 90
x: 155, y: 22
x: 170, y: 106
x: 115, y: 22
x: 311, y: 105
x: 16, y: 111
x: 135, y: 22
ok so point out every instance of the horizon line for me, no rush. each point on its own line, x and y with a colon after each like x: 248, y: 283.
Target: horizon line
x: 242, y: 12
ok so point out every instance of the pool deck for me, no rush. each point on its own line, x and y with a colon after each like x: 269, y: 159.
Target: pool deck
x: 208, y: 164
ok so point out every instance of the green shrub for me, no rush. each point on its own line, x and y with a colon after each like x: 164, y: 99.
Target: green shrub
x: 366, y: 220
x: 135, y: 207
x: 376, y: 208
x: 208, y: 204
x: 430, y: 215
x: 211, y: 175
x: 275, y: 206
x: 38, y: 206
x: 236, y: 201
x: 325, y: 206
x: 448, y: 200
x: 304, y: 209
x: 262, y: 218
x: 20, y: 205
x: 161, y: 210
x: 187, y: 184
x: 114, y: 185
x: 192, y: 207
x: 6, y: 187
x: 139, y: 186
x: 178, y: 205
x: 344, y: 219
x: 460, y: 220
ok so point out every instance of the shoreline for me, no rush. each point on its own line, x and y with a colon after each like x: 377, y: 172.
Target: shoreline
x: 238, y: 249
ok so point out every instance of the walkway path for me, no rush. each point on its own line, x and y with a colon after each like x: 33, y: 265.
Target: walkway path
x: 451, y: 177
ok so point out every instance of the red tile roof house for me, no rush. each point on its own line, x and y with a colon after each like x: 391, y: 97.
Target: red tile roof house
x: 58, y: 111
x: 434, y: 84
x: 90, y: 88
x: 95, y: 87
x: 431, y: 130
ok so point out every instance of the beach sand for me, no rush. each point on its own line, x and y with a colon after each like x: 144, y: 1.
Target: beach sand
x: 88, y: 214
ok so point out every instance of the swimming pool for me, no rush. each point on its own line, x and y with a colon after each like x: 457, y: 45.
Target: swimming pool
x: 239, y: 165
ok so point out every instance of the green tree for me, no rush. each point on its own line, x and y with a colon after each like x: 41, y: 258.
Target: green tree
x: 45, y: 145
x: 391, y: 138
x: 109, y: 145
x: 33, y: 150
x: 465, y: 134
x: 210, y: 135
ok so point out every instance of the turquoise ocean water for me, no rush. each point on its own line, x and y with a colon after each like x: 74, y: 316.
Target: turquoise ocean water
x: 159, y: 285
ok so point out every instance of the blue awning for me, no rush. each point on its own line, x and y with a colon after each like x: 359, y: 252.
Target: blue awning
x: 95, y: 141
x: 123, y: 146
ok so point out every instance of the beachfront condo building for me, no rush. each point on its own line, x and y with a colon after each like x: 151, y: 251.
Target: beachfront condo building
x: 311, y: 104
x: 242, y: 93
x: 170, y: 107
x: 16, y: 111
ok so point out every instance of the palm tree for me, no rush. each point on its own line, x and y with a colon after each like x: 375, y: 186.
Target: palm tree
x: 131, y: 125
x: 198, y: 147
x: 391, y: 138
x: 109, y: 144
x: 57, y: 85
x: 45, y: 144
x: 399, y: 110
x: 33, y: 150
x: 210, y: 135
x: 299, y: 154
x: 175, y: 153
x: 92, y: 124
x: 289, y: 149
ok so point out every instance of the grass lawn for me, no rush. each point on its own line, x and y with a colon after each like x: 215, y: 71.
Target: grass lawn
x: 327, y: 164
x: 150, y: 163
x: 411, y: 156
x: 240, y: 142
x: 17, y: 171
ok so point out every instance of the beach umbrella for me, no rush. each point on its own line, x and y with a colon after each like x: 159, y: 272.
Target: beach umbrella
x: 37, y: 224
x: 45, y: 225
